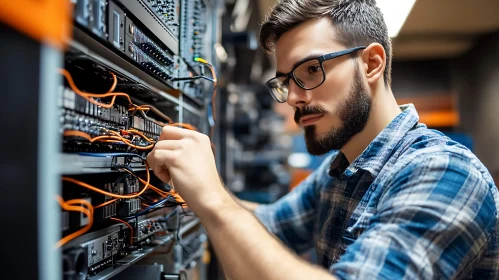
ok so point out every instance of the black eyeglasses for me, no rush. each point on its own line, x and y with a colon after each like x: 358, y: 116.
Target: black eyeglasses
x: 308, y: 75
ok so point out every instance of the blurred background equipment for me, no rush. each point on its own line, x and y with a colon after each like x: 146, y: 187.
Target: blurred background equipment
x: 445, y: 61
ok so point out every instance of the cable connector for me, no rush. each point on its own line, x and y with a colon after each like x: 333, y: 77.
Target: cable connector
x: 199, y: 59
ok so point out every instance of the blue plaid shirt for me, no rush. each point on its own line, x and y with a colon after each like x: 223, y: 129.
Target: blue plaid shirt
x: 413, y: 205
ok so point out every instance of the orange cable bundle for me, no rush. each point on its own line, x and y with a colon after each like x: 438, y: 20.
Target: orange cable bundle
x: 134, y: 131
x: 126, y: 141
x: 134, y: 107
x: 90, y: 187
x: 150, y: 186
x: 116, y: 137
x: 173, y: 193
x: 88, y: 96
x: 72, y: 205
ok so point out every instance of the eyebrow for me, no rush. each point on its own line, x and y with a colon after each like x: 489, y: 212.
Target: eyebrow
x: 308, y: 57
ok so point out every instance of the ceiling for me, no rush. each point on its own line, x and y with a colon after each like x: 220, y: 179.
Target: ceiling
x: 437, y: 28
x: 444, y: 28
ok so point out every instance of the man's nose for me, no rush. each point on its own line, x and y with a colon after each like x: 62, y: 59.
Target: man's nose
x: 297, y: 96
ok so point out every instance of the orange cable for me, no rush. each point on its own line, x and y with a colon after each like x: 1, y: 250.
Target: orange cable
x: 69, y: 207
x: 138, y: 108
x: 115, y: 82
x: 111, y: 141
x: 85, y: 185
x: 148, y: 147
x: 150, y: 186
x: 106, y: 138
x: 213, y: 96
x: 88, y: 96
x: 105, y: 203
x: 185, y: 125
x: 134, y: 131
x: 78, y: 134
x: 87, y: 136
x: 157, y: 190
x: 155, y: 110
x: 128, y: 225
x: 169, y: 120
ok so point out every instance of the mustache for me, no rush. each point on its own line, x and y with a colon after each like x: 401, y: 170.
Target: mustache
x: 308, y: 110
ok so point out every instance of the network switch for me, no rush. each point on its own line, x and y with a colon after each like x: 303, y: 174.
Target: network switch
x: 167, y: 11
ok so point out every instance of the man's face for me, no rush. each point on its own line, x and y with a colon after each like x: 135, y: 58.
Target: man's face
x: 334, y: 112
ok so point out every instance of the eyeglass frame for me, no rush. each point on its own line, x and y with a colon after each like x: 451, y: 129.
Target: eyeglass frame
x: 321, y: 59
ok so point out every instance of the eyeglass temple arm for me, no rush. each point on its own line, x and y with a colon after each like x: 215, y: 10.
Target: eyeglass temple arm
x: 341, y: 53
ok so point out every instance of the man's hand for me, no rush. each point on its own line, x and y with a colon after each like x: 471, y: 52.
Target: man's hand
x: 185, y: 157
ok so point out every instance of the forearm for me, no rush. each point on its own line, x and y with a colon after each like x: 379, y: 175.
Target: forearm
x: 248, y: 204
x: 247, y: 251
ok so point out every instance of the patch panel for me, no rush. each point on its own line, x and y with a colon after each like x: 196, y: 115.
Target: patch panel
x: 160, y: 71
x: 149, y: 127
x: 193, y: 31
x: 79, y: 114
x: 155, y: 51
x: 167, y: 11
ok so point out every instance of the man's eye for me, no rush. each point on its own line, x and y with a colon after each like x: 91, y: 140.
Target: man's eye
x: 314, y: 69
x: 285, y: 82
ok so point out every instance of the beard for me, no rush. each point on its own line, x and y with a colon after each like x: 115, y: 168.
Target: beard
x: 353, y: 113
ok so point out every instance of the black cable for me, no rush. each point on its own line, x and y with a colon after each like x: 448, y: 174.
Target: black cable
x: 178, y: 232
x: 193, y: 78
x: 164, y: 205
x: 182, y: 272
x: 170, y: 247
x: 119, y: 180
x: 146, y: 200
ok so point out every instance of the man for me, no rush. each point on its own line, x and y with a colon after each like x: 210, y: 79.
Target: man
x: 396, y: 201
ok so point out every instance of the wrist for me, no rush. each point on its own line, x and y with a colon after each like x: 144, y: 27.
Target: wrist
x: 219, y: 208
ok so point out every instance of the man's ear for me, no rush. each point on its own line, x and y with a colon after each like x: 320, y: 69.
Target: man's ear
x: 374, y: 62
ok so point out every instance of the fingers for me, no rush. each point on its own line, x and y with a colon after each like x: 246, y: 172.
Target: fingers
x: 168, y: 145
x: 174, y: 133
x: 159, y: 160
x: 163, y: 175
x: 162, y: 157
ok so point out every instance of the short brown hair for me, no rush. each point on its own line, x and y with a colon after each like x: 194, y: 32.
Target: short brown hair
x: 356, y: 22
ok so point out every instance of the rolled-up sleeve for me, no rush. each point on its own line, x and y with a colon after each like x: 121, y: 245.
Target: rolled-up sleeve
x: 433, y: 221
x: 292, y: 218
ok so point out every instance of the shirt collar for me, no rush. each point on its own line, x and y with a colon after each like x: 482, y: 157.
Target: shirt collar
x: 381, y: 148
